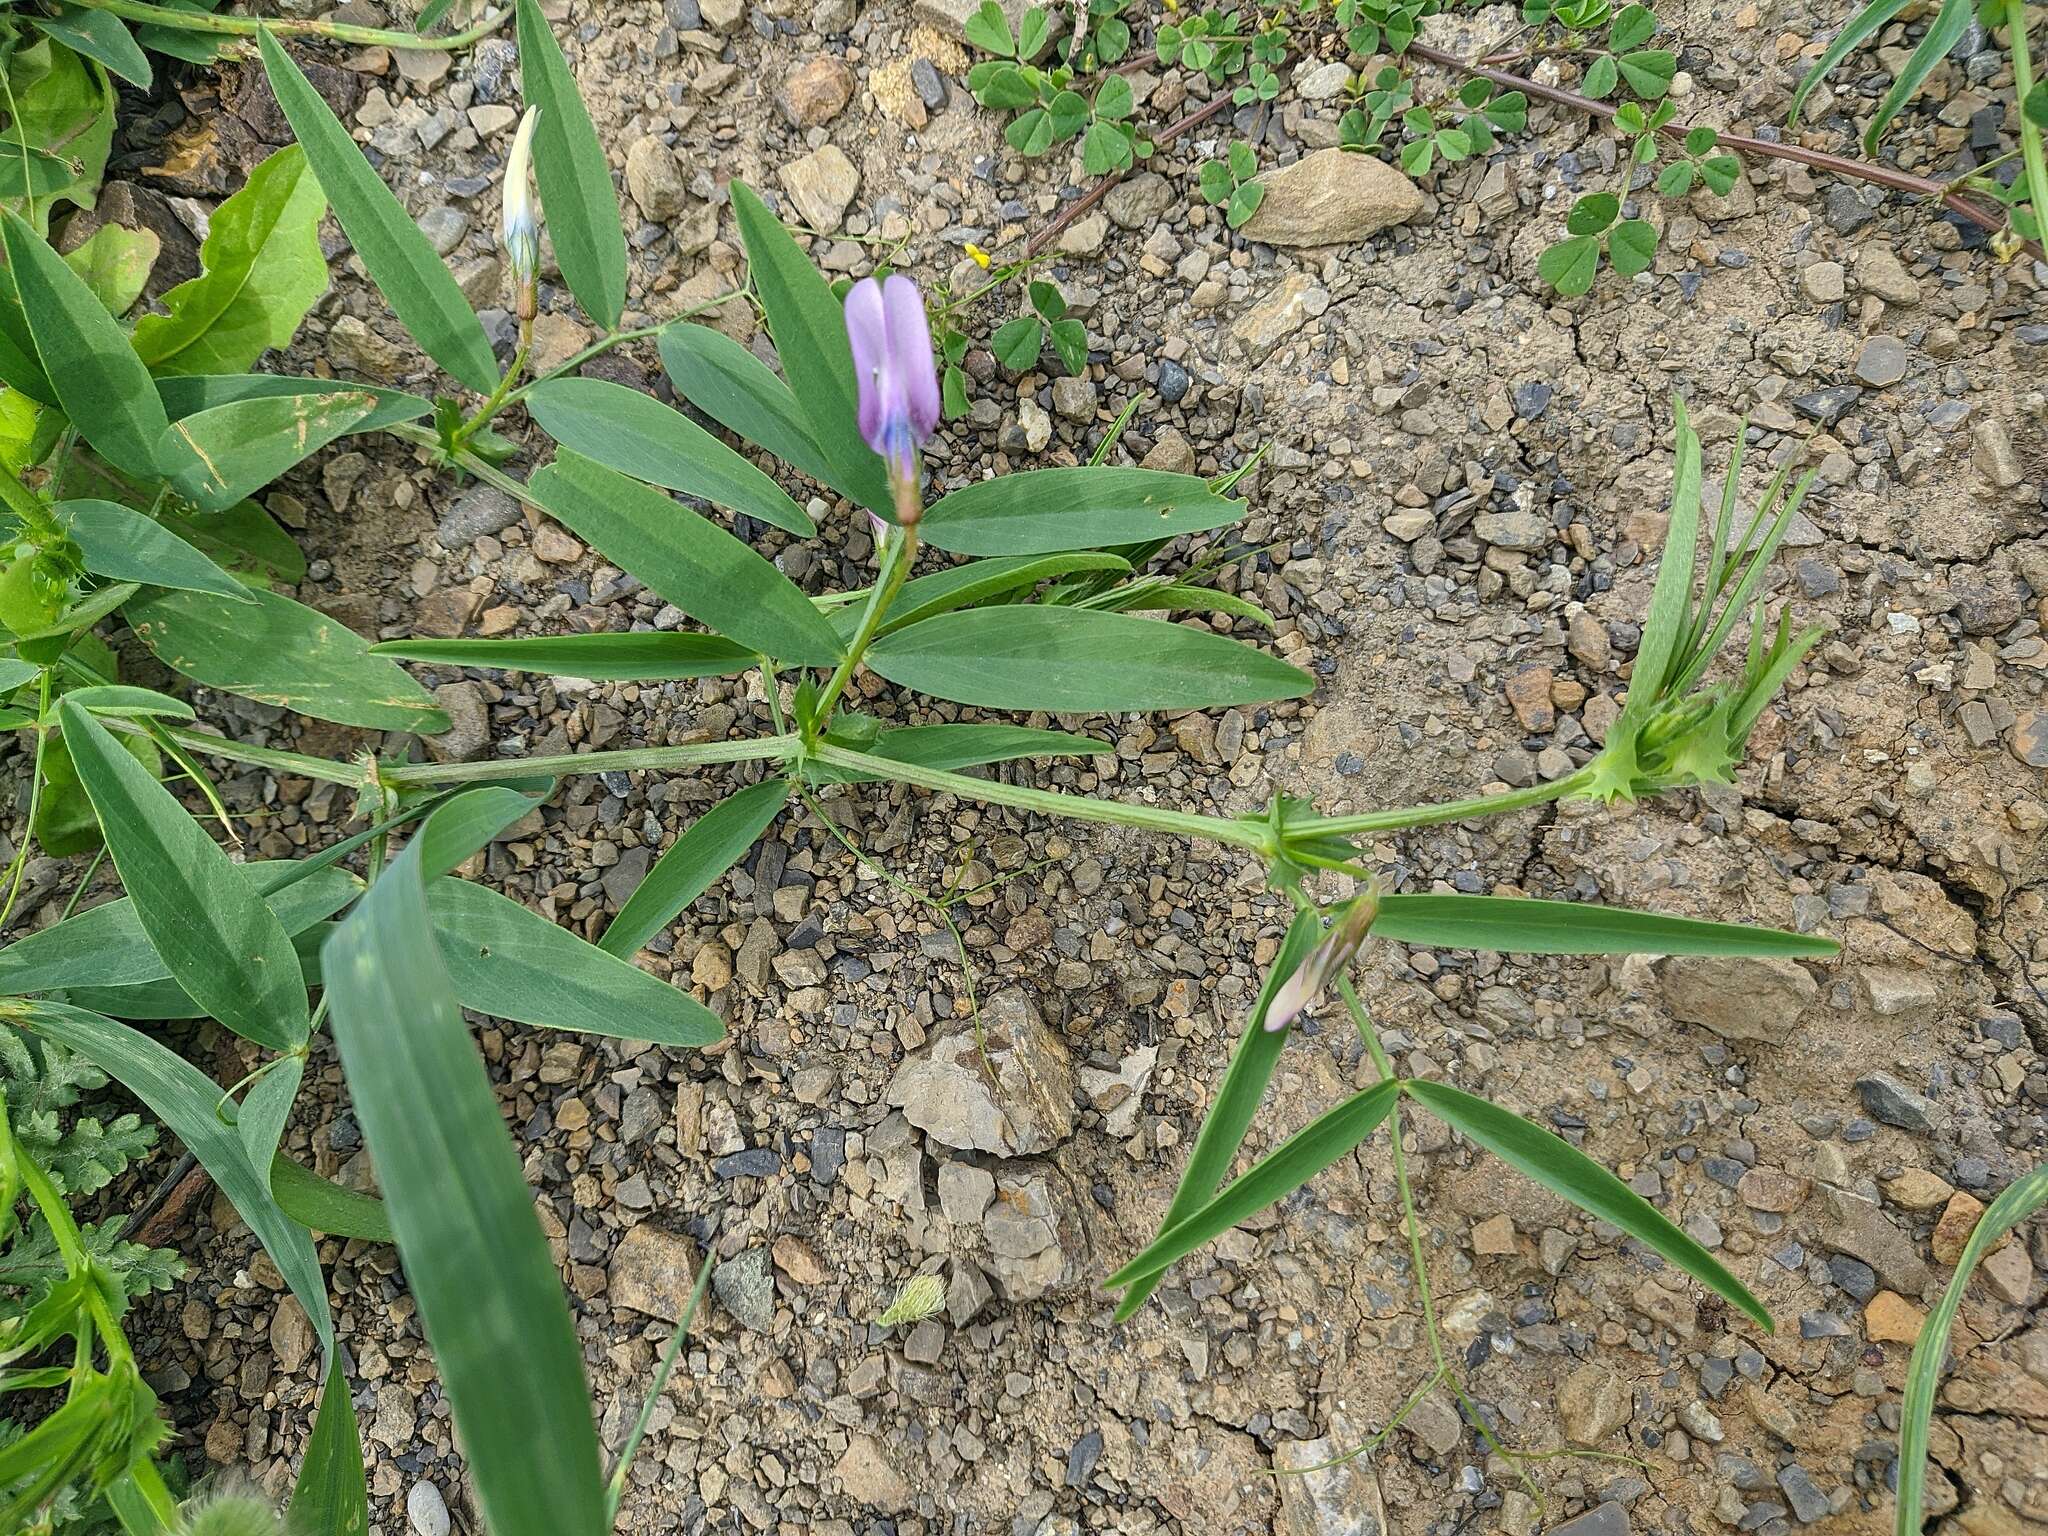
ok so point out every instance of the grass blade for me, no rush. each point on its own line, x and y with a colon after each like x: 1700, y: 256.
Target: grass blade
x: 321, y: 1205
x: 1671, y: 599
x: 1562, y: 1168
x: 1864, y: 24
x: 656, y: 656
x: 1943, y: 33
x: 715, y: 842
x: 461, y: 1208
x: 2020, y: 1199
x: 1237, y: 1099
x: 1524, y: 925
x: 1273, y: 1177
x: 331, y: 1497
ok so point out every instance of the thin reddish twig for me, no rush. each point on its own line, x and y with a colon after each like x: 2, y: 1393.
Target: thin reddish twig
x: 1820, y: 159
x: 1100, y: 190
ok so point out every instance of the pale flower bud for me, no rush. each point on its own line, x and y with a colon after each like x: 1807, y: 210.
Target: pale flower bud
x: 519, y: 232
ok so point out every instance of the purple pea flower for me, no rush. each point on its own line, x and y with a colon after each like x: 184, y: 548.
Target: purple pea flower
x: 1324, y: 963
x: 898, y: 380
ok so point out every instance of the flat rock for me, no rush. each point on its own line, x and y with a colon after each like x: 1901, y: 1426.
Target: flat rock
x: 1285, y: 309
x: 1332, y: 197
x: 1739, y: 997
x: 1594, y: 1403
x: 653, y: 1271
x: 1847, y: 1223
x: 870, y: 1478
x: 816, y: 92
x: 946, y: 1091
x: 1343, y: 1500
x: 822, y: 185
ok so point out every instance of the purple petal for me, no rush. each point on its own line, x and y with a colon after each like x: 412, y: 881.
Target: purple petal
x: 867, y: 329
x: 910, y: 350
x: 1295, y: 994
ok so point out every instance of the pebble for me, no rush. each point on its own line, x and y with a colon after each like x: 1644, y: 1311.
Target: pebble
x: 426, y: 1511
x: 1882, y: 361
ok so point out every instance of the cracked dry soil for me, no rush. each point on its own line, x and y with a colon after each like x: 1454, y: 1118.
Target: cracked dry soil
x: 1465, y: 483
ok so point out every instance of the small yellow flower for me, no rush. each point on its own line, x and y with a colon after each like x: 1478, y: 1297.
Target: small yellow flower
x: 981, y: 257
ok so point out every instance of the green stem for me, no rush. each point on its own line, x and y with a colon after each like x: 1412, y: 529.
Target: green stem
x: 751, y: 749
x: 498, y: 396
x: 18, y: 866
x: 1048, y: 802
x: 296, y: 763
x: 1447, y: 810
x: 339, y: 31
x: 897, y: 554
x: 2030, y: 131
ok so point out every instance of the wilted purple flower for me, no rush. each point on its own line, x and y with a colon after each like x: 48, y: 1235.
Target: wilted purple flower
x: 897, y: 377
x: 1324, y: 963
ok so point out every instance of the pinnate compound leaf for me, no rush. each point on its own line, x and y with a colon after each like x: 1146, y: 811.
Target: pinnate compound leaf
x: 808, y: 325
x: 639, y: 436
x: 125, y: 545
x: 262, y: 270
x: 183, y: 1097
x: 1071, y: 660
x: 215, y: 934
x: 460, y: 1206
x: 1331, y: 1135
x: 1563, y: 1169
x: 574, y: 174
x: 1237, y: 1100
x: 90, y: 367
x: 410, y: 277
x: 686, y: 558
x: 1047, y: 511
x: 651, y: 656
x: 282, y: 653
x: 708, y: 847
x: 510, y: 962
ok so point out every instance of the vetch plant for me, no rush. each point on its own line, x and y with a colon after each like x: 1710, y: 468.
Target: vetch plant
x: 1013, y: 595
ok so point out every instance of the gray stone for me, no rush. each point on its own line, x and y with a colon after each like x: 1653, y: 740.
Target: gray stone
x: 746, y: 1284
x: 868, y: 1477
x: 1332, y: 197
x: 1808, y: 1502
x: 426, y: 1511
x: 1891, y: 1101
x: 469, y: 724
x: 654, y: 177
x: 1022, y: 1229
x: 1608, y: 1519
x: 1137, y: 202
x: 1880, y: 272
x: 1882, y: 361
x: 1827, y: 406
x: 1848, y: 1223
x: 1523, y: 530
x: 1019, y: 1100
x: 1593, y: 1403
x: 477, y: 511
x: 444, y: 228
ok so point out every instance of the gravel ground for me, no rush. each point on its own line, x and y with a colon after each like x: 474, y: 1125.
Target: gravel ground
x: 1463, y: 481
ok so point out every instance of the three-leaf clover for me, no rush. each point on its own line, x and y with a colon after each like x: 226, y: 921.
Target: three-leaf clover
x: 1232, y: 183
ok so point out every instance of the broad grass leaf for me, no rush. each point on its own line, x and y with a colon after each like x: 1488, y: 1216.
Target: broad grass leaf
x: 639, y: 436
x: 510, y: 962
x: 1330, y: 1136
x: 266, y: 1103
x: 808, y: 324
x: 1525, y: 925
x: 262, y: 269
x: 975, y: 582
x: 1047, y: 511
x: 949, y: 748
x: 575, y: 175
x: 100, y: 36
x: 708, y: 847
x: 686, y: 558
x: 126, y: 702
x: 92, y: 370
x: 1078, y: 661
x: 1237, y: 1100
x: 506, y: 1350
x: 107, y: 945
x: 216, y: 936
x: 459, y: 827
x: 188, y: 394
x: 650, y: 656
x: 1671, y: 597
x: 2020, y: 1199
x: 331, y: 1497
x: 1563, y: 1169
x: 183, y: 1097
x: 125, y: 545
x: 282, y: 653
x: 221, y: 456
x: 742, y: 394
x: 409, y: 276
x: 321, y: 1205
